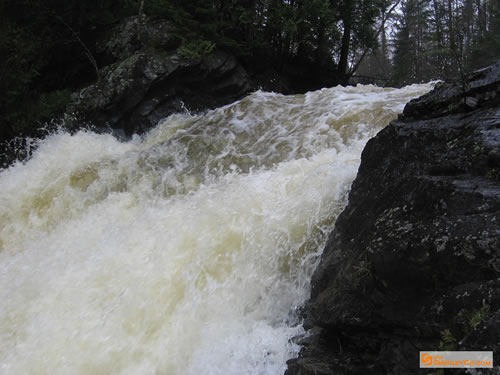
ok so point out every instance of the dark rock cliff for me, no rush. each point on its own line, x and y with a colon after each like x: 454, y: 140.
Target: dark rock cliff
x: 147, y: 77
x: 414, y: 260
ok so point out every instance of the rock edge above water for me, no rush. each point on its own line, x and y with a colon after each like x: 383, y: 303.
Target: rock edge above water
x: 414, y: 260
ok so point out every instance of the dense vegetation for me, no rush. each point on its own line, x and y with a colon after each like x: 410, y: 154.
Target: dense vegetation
x: 48, y: 48
x: 43, y: 56
x: 440, y: 39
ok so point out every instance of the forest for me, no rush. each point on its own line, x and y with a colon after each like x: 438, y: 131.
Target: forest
x: 48, y: 48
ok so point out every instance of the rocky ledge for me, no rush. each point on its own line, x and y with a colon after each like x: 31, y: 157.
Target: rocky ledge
x: 413, y: 263
x: 148, y: 76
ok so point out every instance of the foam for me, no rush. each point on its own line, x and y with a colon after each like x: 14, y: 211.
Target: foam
x: 185, y: 251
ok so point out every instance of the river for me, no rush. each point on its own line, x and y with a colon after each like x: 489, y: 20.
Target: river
x: 188, y: 250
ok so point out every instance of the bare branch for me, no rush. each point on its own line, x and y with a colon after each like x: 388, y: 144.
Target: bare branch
x: 85, y: 49
x: 384, y: 19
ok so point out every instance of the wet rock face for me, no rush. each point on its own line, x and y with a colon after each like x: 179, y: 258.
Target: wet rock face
x: 414, y: 261
x: 148, y: 79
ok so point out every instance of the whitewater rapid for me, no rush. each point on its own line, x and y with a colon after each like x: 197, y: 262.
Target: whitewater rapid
x: 187, y: 250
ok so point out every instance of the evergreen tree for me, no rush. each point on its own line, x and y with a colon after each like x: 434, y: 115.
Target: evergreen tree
x: 445, y: 39
x: 487, y: 49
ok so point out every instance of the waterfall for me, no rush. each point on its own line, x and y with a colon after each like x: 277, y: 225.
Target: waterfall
x: 184, y: 251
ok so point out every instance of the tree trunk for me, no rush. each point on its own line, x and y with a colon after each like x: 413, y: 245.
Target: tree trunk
x: 451, y: 28
x: 346, y: 41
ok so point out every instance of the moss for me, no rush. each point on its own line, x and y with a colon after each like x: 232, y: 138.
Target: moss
x: 472, y: 318
x: 362, y: 274
x: 197, y: 48
x: 493, y: 174
x: 448, y: 341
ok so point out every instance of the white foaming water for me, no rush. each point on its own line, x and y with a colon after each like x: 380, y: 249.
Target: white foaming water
x: 186, y: 251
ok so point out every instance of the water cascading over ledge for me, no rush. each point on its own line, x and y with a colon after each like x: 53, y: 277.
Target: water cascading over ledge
x: 413, y: 262
x: 184, y: 251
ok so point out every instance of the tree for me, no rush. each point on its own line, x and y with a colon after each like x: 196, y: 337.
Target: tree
x: 458, y: 37
x: 486, y: 50
x: 46, y: 51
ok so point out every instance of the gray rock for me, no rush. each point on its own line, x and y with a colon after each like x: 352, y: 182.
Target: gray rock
x: 414, y: 260
x: 136, y: 33
x: 150, y: 79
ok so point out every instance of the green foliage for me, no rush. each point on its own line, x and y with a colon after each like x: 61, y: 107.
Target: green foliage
x: 438, y: 39
x: 194, y: 20
x: 302, y: 30
x: 33, y: 112
x: 197, y: 48
x: 52, y: 104
x: 40, y: 44
x: 487, y: 50
x: 18, y: 69
x: 49, y: 46
x: 411, y: 62
x: 493, y: 174
x: 472, y: 318
x: 362, y: 274
x: 448, y: 341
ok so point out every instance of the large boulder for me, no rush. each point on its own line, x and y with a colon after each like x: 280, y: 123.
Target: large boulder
x: 134, y: 34
x: 150, y: 78
x: 414, y: 260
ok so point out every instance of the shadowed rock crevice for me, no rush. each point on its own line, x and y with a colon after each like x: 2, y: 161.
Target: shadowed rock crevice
x: 414, y: 260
